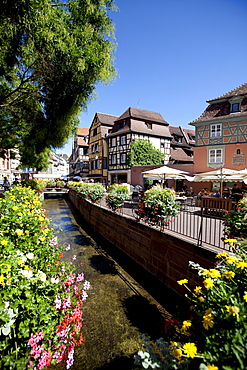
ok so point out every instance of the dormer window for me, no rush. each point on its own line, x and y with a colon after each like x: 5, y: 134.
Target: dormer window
x: 149, y: 125
x: 235, y: 104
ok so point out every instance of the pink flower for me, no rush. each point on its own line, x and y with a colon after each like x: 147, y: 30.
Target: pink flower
x: 66, y: 303
x: 70, y: 359
x: 53, y: 242
x: 58, y: 303
x: 84, y: 296
x: 80, y: 278
x: 67, y: 248
x: 74, y: 257
x: 86, y: 285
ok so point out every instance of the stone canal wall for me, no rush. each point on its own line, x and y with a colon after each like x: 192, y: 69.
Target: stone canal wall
x: 164, y: 255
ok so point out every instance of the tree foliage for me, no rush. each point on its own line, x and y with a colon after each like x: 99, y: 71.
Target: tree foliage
x: 52, y: 54
x: 142, y: 153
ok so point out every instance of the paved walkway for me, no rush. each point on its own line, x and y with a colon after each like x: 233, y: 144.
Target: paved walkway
x: 204, y: 230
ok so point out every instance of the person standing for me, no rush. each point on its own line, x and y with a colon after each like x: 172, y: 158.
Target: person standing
x: 236, y: 193
x: 6, y: 184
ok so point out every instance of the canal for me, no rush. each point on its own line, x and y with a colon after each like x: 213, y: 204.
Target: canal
x: 123, y: 301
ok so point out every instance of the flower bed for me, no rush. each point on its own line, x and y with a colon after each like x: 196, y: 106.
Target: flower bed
x: 41, y: 295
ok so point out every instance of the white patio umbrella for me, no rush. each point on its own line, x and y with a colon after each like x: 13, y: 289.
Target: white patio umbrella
x: 165, y: 172
x: 221, y: 174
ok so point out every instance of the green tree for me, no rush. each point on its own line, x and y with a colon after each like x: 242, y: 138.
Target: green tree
x: 142, y: 153
x: 52, y: 54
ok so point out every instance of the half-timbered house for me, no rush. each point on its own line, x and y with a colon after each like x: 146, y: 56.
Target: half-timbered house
x: 132, y: 125
x: 98, y: 132
x: 221, y: 132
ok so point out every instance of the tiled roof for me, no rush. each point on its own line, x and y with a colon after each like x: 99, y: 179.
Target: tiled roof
x: 179, y: 155
x: 221, y: 110
x: 106, y: 119
x: 239, y: 91
x: 144, y: 115
x: 220, y: 107
x: 189, y: 135
x: 82, y: 131
x: 81, y: 141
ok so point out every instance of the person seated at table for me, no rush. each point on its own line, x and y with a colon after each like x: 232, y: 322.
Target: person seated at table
x: 216, y: 193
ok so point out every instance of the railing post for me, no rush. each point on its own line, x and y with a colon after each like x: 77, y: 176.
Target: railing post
x: 199, y: 239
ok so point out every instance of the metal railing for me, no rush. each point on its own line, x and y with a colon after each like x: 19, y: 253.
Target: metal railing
x: 206, y: 230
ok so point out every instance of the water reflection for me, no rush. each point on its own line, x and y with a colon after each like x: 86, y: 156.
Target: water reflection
x: 118, y: 310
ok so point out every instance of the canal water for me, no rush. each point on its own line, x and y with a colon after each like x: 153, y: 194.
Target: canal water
x: 123, y: 302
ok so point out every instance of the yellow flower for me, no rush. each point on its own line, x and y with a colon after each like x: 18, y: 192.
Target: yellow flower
x: 178, y: 353
x: 3, y: 242
x: 15, y: 208
x: 233, y: 310
x: 6, y: 268
x: 213, y: 273
x: 230, y: 241
x: 190, y: 349
x: 230, y: 260
x: 229, y: 274
x: 42, y: 238
x: 183, y: 281
x: 208, y: 320
x: 245, y: 297
x: 222, y: 254
x: 2, y: 278
x: 197, y: 289
x: 19, y: 232
x: 186, y: 325
x: 201, y: 299
x: 241, y: 265
x: 208, y: 283
x: 212, y: 367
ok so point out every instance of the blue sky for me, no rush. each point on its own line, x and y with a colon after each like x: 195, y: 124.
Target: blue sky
x: 172, y: 56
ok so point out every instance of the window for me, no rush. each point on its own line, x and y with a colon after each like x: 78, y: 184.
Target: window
x: 238, y: 151
x: 215, y: 155
x: 104, y: 163
x: 235, y: 107
x: 96, y: 147
x: 92, y: 148
x: 123, y: 140
x: 113, y: 159
x: 215, y: 130
x: 113, y: 141
x: 123, y: 158
x: 95, y: 131
x: 121, y: 125
x: 149, y: 125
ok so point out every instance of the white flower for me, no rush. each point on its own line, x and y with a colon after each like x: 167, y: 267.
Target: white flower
x: 27, y: 273
x: 30, y: 256
x: 54, y: 281
x: 41, y: 275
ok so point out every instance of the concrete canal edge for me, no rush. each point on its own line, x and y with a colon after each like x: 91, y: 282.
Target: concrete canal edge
x: 163, y: 255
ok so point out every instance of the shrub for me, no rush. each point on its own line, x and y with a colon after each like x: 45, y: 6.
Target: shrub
x: 95, y: 192
x: 117, y: 194
x: 236, y: 221
x: 40, y: 305
x: 157, y: 206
